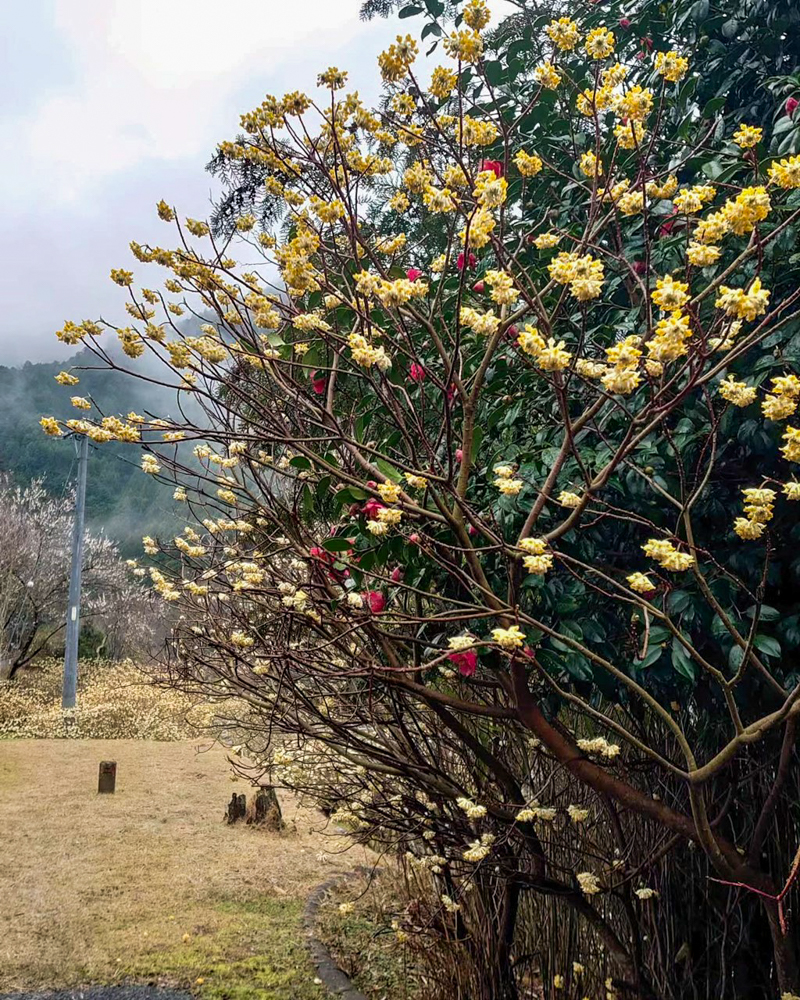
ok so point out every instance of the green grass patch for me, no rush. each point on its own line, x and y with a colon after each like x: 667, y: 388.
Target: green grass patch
x: 256, y: 950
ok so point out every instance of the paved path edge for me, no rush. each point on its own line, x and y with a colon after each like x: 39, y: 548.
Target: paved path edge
x: 333, y: 978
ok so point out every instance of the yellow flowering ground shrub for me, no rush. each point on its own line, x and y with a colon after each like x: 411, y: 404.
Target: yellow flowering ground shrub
x: 115, y: 701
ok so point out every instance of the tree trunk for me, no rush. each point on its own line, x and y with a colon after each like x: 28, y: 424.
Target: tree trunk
x: 265, y: 810
x: 237, y: 808
x: 783, y: 951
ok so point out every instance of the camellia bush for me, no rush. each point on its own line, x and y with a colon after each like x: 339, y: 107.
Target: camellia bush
x: 491, y: 507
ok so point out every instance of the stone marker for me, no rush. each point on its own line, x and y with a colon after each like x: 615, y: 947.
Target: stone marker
x: 108, y: 776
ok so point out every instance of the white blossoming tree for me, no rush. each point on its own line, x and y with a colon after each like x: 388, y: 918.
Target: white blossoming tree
x: 35, y: 551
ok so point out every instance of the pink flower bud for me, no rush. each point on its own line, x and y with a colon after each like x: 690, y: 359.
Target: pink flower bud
x: 317, y: 384
x: 791, y: 105
x: 413, y: 273
x: 624, y: 22
x: 459, y: 455
x: 479, y: 286
x: 414, y: 538
x: 416, y: 372
x: 396, y: 575
x: 472, y: 530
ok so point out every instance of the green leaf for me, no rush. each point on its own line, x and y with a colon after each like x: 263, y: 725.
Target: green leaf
x: 700, y: 11
x: 678, y: 601
x: 765, y: 614
x: 767, y: 645
x: 681, y: 661
x: 337, y: 544
x: 410, y: 11
x: 300, y: 462
x: 388, y: 470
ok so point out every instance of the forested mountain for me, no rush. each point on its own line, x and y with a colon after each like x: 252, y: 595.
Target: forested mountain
x: 120, y: 498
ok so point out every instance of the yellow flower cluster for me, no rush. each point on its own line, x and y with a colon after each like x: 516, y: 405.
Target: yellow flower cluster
x: 508, y: 638
x: 504, y: 292
x: 738, y: 393
x: 505, y: 481
x: 666, y: 555
x: 623, y: 357
x: 443, y: 81
x: 641, y: 583
x: 747, y: 136
x: 744, y: 305
x: 791, y: 446
x: 671, y: 65
x: 786, y: 173
x: 563, y: 33
x: 583, y: 274
x: 484, y: 324
x: 692, y: 199
x: 490, y: 190
x: 537, y: 559
x: 599, y: 43
x: 528, y: 164
x: 476, y: 14
x: 546, y: 74
x: 781, y: 401
x: 396, y: 60
x: 366, y: 355
x: 758, y: 509
x: 464, y: 45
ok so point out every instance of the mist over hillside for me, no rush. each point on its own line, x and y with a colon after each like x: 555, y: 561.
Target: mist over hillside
x: 120, y: 499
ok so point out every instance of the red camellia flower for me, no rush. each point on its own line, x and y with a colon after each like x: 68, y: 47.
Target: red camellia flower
x: 669, y: 224
x: 317, y: 384
x: 371, y: 508
x: 791, y: 105
x: 640, y: 267
x: 494, y: 165
x: 396, y: 575
x: 375, y: 600
x: 466, y: 661
x: 479, y: 286
x: 416, y: 372
x: 471, y: 261
x: 413, y: 273
x: 624, y: 22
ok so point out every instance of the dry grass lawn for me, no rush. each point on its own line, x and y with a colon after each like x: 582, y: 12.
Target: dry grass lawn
x: 149, y: 884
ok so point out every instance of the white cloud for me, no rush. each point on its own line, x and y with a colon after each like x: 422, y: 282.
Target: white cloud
x: 157, y: 80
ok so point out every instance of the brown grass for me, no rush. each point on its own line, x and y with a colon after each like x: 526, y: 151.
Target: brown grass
x: 102, y: 888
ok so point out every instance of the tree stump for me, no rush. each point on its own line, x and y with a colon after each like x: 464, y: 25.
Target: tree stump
x: 237, y: 808
x: 265, y: 810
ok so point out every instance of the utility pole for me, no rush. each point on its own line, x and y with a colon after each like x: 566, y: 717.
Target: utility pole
x: 74, y: 605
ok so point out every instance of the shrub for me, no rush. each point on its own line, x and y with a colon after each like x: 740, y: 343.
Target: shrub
x: 493, y: 513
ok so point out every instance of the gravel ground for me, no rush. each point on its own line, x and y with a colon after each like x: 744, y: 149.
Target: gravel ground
x: 102, y: 993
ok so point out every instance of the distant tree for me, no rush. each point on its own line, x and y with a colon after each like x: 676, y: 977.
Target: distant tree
x: 35, y: 553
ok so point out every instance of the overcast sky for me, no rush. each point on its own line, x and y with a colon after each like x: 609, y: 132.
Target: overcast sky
x: 106, y: 106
